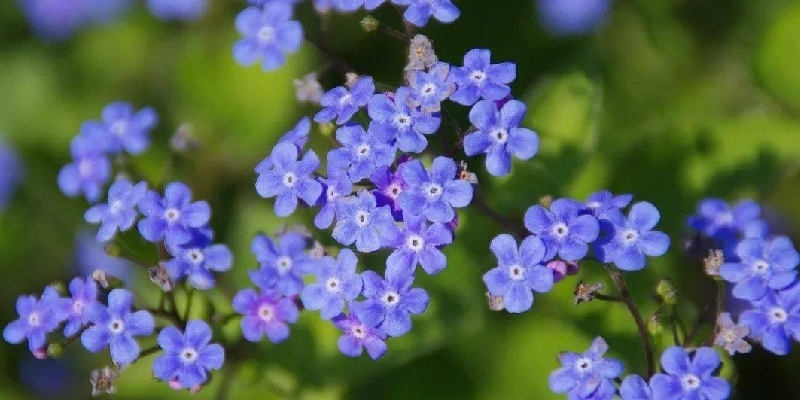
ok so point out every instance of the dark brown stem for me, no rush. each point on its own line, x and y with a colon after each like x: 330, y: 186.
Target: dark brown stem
x: 647, y: 346
x: 501, y: 220
x: 720, y: 306
x: 149, y: 351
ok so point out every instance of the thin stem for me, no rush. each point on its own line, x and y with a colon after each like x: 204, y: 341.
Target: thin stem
x: 487, y: 210
x: 720, y: 306
x: 149, y: 351
x: 674, y: 325
x: 166, y: 314
x: 605, y: 297
x: 224, y: 389
x: 644, y: 336
x: 188, y: 309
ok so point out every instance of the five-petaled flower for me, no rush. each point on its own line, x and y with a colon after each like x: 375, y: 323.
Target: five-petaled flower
x: 119, y: 213
x: 562, y: 229
x: 123, y: 128
x: 479, y: 78
x: 172, y: 217
x: 363, y: 152
x: 628, y: 240
x: 764, y: 265
x: 391, y: 302
x: 115, y: 326
x: 269, y: 34
x: 688, y: 377
x: 519, y: 272
x: 37, y: 318
x: 433, y: 194
x: 289, y: 178
x: 265, y: 313
x: 360, y: 221
x: 342, y: 104
x: 499, y: 135
x: 84, y: 294
x: 359, y: 336
x: 417, y: 244
x: 337, y: 282
x: 283, y: 262
x: 587, y: 375
x: 394, y: 117
x: 188, y: 356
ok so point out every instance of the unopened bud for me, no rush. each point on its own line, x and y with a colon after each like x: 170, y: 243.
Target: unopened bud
x: 327, y: 128
x: 546, y: 200
x: 496, y: 303
x: 465, y: 174
x: 112, y: 249
x: 184, y: 140
x: 654, y: 325
x: 370, y: 24
x: 586, y: 291
x: 350, y: 79
x: 666, y: 292
x: 55, y: 350
x: 102, y: 381
x: 160, y: 277
x: 562, y: 268
x: 420, y: 54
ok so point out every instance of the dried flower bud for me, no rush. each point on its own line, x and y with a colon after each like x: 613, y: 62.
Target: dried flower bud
x: 654, y: 325
x: 55, y: 350
x: 496, y: 303
x: 327, y: 128
x: 184, y: 140
x: 308, y: 89
x: 106, y: 280
x: 160, y: 277
x: 317, y: 251
x: 420, y: 54
x: 465, y: 175
x: 730, y: 336
x: 586, y: 292
x: 370, y: 24
x: 713, y: 261
x: 102, y: 381
x: 350, y: 79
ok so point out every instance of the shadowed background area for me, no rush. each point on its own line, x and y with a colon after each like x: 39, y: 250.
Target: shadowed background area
x: 672, y: 101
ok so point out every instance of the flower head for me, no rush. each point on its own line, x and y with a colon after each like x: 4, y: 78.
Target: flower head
x: 90, y: 168
x: 119, y: 213
x: 519, y: 272
x: 265, y: 314
x: 335, y: 187
x: 430, y: 89
x: 689, y: 377
x: 562, y: 229
x: 433, y: 194
x: 115, y: 326
x: 394, y: 117
x: 181, y: 10
x: 269, y: 34
x: 283, y: 262
x: 123, y: 128
x: 630, y: 239
x: 730, y: 336
x: 298, y: 136
x: 363, y: 152
x: 420, y: 11
x: 417, y: 243
x: 359, y: 336
x: 587, y: 375
x: 360, y: 221
x: 337, y: 282
x: 479, y: 78
x: 764, y: 264
x: 37, y: 318
x: 170, y: 218
x: 289, y: 178
x: 84, y: 294
x: 197, y: 259
x: 775, y: 319
x: 499, y: 135
x: 343, y: 103
x: 717, y: 220
x: 388, y: 186
x: 188, y: 356
x: 391, y: 302
x: 420, y: 53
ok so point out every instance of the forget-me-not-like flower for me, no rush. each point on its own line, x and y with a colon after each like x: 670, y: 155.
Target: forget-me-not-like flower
x: 341, y: 103
x: 763, y: 265
x: 388, y: 186
x: 289, y: 178
x: 391, y: 302
x: 188, y: 356
x: 431, y: 88
x: 336, y: 187
x: 359, y: 336
x: 689, y: 377
x: 499, y: 135
x: 434, y: 194
x: 587, y: 375
x: 84, y: 294
x: 119, y: 213
x: 420, y: 11
x: 716, y: 219
x: 115, y: 326
x: 394, y: 117
x: 265, y: 313
x: 775, y: 319
x: 269, y: 34
x: 519, y: 272
x: 197, y: 259
x: 363, y: 152
x: 562, y: 229
x: 361, y: 221
x: 337, y: 282
x: 283, y: 261
x: 417, y: 243
x: 479, y: 78
x: 37, y: 318
x: 630, y: 239
x: 90, y: 168
x: 298, y: 136
x: 172, y: 217
x: 123, y: 128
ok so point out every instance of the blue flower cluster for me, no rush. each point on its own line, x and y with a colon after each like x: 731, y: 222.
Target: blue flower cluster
x: 562, y: 234
x: 761, y: 267
x: 686, y: 375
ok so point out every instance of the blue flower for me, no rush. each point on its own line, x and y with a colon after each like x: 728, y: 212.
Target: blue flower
x: 431, y: 88
x: 630, y: 239
x: 764, y: 264
x: 519, y: 272
x: 420, y: 11
x: 337, y: 282
x: 269, y: 34
x: 562, y: 229
x: 731, y: 336
x: 336, y: 186
x: 361, y: 222
x: 37, y: 318
x: 84, y: 294
x: 395, y: 118
x: 181, y: 10
x: 479, y: 78
x: 602, y: 204
x: 689, y: 378
x: 119, y: 213
x: 188, y: 356
x: 115, y: 326
x: 345, y: 103
x: 417, y: 244
x: 289, y: 178
x: 388, y: 186
x: 265, y: 314
x: 283, y: 261
x: 358, y: 336
x: 89, y: 170
x: 499, y: 135
x: 297, y: 136
x: 122, y: 128
x: 573, y: 17
x: 391, y: 302
x: 635, y: 388
x: 60, y: 19
x: 171, y: 218
x: 196, y: 259
x: 588, y: 375
x: 775, y: 319
x: 435, y: 194
x: 717, y: 220
x: 10, y: 173
x: 363, y: 152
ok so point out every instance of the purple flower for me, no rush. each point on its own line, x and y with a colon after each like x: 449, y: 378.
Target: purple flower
x: 395, y: 118
x: 561, y: 228
x: 10, y: 173
x: 289, y: 178
x: 587, y: 375
x: 336, y: 186
x: 388, y: 186
x: 171, y: 218
x: 420, y: 11
x: 572, y: 17
x: 337, y: 282
x: 361, y: 222
x: 775, y: 319
x: 363, y: 152
x: 37, y: 318
x: 519, y: 272
x: 115, y: 326
x: 602, y: 204
x: 630, y: 239
x: 89, y: 170
x: 417, y: 244
x: 283, y: 261
x: 196, y: 259
x: 84, y: 294
x: 297, y: 136
x: 430, y: 89
x: 479, y: 78
x: 499, y: 135
x: 764, y: 264
x: 635, y: 388
x: 435, y: 194
x: 119, y: 213
x: 187, y: 356
x: 181, y: 10
x: 717, y: 220
x: 689, y: 378
x: 265, y: 314
x: 269, y: 34
x: 391, y: 302
x: 358, y: 336
x: 122, y: 128
x: 342, y: 103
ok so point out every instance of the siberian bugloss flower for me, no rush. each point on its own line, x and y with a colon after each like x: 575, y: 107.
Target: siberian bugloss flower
x: 630, y: 239
x: 430, y: 89
x: 633, y: 387
x: 363, y: 152
x: 337, y: 282
x: 266, y: 313
x: 358, y: 336
x: 388, y: 186
x: 360, y: 221
x: 170, y: 218
x: 269, y: 34
x: 499, y: 135
x: 37, y: 318
x: 123, y: 128
x: 717, y: 220
x: 775, y: 319
x: 181, y: 10
x: 298, y: 136
x: 417, y: 243
x: 562, y: 229
x: 763, y: 265
x: 283, y: 260
x: 197, y: 259
x: 587, y: 375
x: 391, y: 302
x: 289, y: 178
x: 394, y: 117
x: 119, y: 213
x: 336, y: 186
x: 688, y: 377
x: 519, y: 272
x: 84, y: 294
x: 731, y: 336
x: 420, y: 11
x: 90, y: 168
x: 115, y: 326
x: 603, y: 203
x: 433, y: 194
x: 479, y: 78
x: 188, y: 356
x: 342, y: 104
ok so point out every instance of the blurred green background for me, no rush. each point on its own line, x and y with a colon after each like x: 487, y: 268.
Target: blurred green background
x: 672, y: 100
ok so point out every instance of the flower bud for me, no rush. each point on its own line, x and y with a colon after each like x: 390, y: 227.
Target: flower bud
x: 654, y: 325
x: 184, y: 140
x: 496, y: 303
x: 546, y: 200
x: 54, y: 350
x: 666, y: 292
x: 370, y: 24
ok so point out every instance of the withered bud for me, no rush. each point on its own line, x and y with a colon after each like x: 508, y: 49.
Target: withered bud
x: 465, y: 175
x: 102, y: 381
x: 713, y: 261
x: 496, y: 303
x: 160, y: 277
x: 586, y: 291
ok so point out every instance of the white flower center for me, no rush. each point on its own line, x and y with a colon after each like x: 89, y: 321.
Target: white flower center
x: 334, y: 284
x: 516, y: 272
x: 629, y: 236
x: 729, y: 335
x: 172, y: 215
x: 331, y: 193
x: 115, y: 206
x: 393, y: 191
x: 499, y: 135
x: 391, y: 298
x: 266, y: 34
x: 760, y: 267
x: 593, y: 205
x: 778, y: 315
x: 362, y: 218
x: 583, y: 365
x: 359, y: 331
x: 85, y: 168
x: 428, y: 89
x: 725, y: 218
x: 415, y: 242
x: 119, y: 128
x: 560, y: 230
x: 433, y: 191
x: 189, y: 355
x: 402, y: 121
x: 363, y: 150
x: 478, y: 76
x: 195, y: 255
x: 289, y: 179
x: 345, y: 98
x: 116, y: 326
x: 690, y: 382
x: 34, y: 319
x: 78, y: 306
x: 266, y: 313
x: 284, y: 264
